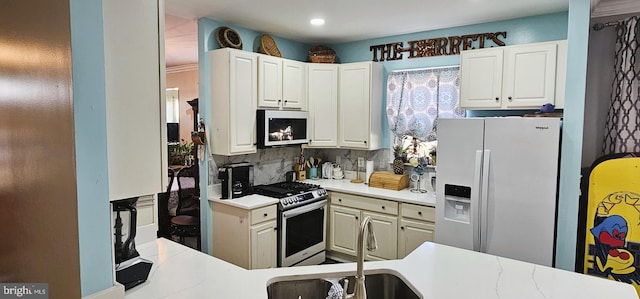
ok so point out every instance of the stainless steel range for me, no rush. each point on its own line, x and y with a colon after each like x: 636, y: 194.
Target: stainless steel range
x: 301, y: 221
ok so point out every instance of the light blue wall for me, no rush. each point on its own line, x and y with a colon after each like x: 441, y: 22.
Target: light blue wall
x: 578, y: 44
x: 519, y: 31
x: 89, y: 104
x: 207, y: 42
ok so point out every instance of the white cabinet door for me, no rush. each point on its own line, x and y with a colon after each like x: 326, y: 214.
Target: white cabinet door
x: 360, y: 105
x: 481, y: 78
x: 354, y: 94
x: 134, y: 98
x: 294, y: 84
x: 412, y: 234
x: 514, y: 77
x: 263, y: 245
x: 385, y: 228
x: 243, y: 103
x: 323, y: 104
x: 233, y: 101
x: 269, y: 81
x: 344, y: 224
x: 529, y: 75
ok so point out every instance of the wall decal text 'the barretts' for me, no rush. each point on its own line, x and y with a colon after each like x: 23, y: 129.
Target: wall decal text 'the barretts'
x: 439, y: 46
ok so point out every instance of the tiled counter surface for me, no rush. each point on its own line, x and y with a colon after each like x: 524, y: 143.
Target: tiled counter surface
x: 436, y: 271
x: 256, y: 201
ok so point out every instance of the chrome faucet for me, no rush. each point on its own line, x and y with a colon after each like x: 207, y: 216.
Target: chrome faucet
x: 359, y: 292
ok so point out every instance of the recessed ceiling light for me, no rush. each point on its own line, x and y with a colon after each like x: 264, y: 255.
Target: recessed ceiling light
x: 317, y: 22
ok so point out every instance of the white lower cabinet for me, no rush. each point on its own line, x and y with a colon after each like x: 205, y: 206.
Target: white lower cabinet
x: 344, y: 223
x: 345, y: 215
x: 417, y: 225
x: 386, y: 231
x: 399, y: 227
x: 412, y: 234
x: 263, y: 245
x: 247, y: 238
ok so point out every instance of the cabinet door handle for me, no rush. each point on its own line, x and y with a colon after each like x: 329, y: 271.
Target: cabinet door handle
x: 279, y: 101
x: 356, y: 217
x: 265, y: 214
x: 340, y: 199
x: 285, y: 101
x: 402, y: 227
x: 510, y: 99
x: 383, y: 207
x: 275, y: 228
x: 497, y: 99
x: 420, y: 213
x: 365, y: 142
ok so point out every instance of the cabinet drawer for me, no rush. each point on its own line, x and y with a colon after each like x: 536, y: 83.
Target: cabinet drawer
x: 365, y: 203
x: 418, y: 212
x: 263, y: 214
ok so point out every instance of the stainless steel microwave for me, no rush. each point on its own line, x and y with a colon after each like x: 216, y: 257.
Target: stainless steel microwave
x: 282, y: 128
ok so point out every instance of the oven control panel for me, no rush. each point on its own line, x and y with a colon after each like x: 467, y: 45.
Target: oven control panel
x: 303, y: 198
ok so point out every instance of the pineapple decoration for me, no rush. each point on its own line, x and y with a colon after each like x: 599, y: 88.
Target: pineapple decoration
x: 398, y: 162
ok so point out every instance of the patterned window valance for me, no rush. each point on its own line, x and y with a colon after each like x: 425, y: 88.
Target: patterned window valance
x: 417, y: 98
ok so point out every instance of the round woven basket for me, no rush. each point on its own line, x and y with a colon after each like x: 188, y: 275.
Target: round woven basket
x: 322, y: 54
x: 228, y: 38
x: 268, y: 46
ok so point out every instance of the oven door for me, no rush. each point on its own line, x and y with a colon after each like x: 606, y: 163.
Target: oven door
x: 303, y: 233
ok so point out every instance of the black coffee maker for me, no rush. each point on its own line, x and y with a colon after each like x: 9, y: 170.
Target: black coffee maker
x: 237, y: 180
x: 131, y: 269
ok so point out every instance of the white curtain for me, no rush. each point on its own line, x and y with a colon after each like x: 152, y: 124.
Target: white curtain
x: 622, y: 129
x: 417, y: 98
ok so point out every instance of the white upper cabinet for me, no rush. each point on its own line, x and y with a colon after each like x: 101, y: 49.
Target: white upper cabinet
x: 514, y: 77
x: 134, y: 98
x: 360, y: 105
x: 294, y: 84
x: 233, y: 93
x: 323, y: 104
x: 281, y: 83
x: 269, y: 81
x: 481, y: 78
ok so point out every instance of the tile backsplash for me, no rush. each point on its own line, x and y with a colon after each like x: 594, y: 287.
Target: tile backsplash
x: 270, y: 165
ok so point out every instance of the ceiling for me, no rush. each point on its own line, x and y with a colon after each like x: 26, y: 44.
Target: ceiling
x: 348, y: 20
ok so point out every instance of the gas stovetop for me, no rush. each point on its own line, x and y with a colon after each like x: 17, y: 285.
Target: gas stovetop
x: 292, y: 194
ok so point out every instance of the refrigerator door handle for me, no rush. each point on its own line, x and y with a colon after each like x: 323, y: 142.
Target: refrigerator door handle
x: 476, y: 201
x: 484, y: 201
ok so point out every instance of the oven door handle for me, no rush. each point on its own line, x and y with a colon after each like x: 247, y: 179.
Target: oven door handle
x: 304, y: 209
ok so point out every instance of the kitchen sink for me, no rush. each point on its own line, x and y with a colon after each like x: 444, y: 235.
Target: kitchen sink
x: 379, y: 286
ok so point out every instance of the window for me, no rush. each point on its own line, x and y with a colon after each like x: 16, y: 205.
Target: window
x: 173, y: 106
x: 415, y: 101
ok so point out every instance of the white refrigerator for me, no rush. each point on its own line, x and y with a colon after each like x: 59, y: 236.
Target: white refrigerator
x: 496, y: 186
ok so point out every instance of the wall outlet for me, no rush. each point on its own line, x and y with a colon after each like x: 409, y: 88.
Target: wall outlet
x: 361, y: 161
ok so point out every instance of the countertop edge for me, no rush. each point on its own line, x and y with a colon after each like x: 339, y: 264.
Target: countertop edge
x: 255, y: 201
x: 194, y: 274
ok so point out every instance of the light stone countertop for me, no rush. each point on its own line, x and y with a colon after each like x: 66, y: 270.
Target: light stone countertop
x: 433, y: 270
x: 255, y: 201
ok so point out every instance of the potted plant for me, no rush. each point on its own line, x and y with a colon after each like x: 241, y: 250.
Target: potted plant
x: 179, y: 153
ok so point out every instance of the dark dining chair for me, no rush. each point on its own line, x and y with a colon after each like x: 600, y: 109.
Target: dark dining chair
x: 164, y: 222
x: 186, y: 222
